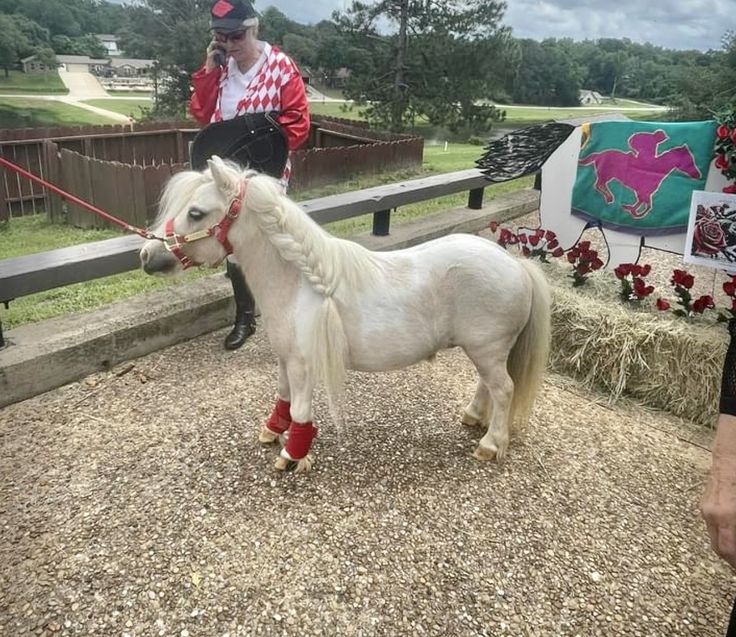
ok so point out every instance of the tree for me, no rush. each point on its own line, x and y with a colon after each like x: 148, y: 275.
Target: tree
x: 709, y: 87
x: 47, y: 57
x: 422, y: 67
x: 175, y: 33
x: 12, y: 42
x: 546, y: 75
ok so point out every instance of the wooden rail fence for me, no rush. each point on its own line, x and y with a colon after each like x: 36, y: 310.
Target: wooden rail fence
x: 338, y: 149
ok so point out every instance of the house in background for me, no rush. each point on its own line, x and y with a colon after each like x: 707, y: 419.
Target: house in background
x: 114, y: 67
x: 130, y: 67
x: 110, y: 42
x: 30, y: 65
x: 590, y: 98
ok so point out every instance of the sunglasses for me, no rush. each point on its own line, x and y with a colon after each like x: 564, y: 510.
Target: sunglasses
x: 236, y: 36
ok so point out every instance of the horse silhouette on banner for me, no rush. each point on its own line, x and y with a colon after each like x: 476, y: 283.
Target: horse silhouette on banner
x: 632, y: 180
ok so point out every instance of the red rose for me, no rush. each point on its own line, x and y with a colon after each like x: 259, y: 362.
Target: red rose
x: 493, y: 226
x: 731, y: 190
x: 729, y: 287
x: 703, y: 303
x: 525, y: 251
x: 571, y: 258
x: 583, y: 269
x: 552, y: 244
x: 550, y: 236
x: 539, y: 233
x: 584, y: 245
x: 646, y: 269
x: 682, y: 278
x: 558, y: 252
x: 596, y: 264
x: 523, y: 238
x: 534, y: 239
x: 622, y: 270
x: 662, y: 305
x: 722, y: 131
x: 721, y: 162
x: 708, y: 237
x: 641, y: 289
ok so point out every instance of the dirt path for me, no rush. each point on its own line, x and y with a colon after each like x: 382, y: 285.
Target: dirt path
x: 140, y: 503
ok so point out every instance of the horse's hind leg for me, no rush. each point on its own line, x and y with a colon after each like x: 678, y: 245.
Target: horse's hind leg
x: 493, y: 373
x: 478, y: 411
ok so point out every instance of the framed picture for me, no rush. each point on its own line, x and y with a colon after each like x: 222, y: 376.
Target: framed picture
x: 711, y: 230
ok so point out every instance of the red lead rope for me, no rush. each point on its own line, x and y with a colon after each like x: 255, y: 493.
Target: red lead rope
x: 80, y: 202
x: 171, y: 240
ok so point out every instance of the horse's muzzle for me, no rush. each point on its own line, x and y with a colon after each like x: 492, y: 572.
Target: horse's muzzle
x: 158, y: 261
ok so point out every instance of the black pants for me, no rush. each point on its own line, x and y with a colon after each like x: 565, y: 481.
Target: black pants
x: 731, y: 632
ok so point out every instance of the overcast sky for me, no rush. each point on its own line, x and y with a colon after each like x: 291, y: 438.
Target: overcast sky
x: 676, y: 24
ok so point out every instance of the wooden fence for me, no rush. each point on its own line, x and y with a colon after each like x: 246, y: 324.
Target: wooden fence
x: 143, y: 144
x: 121, y: 162
x: 338, y: 149
x: 127, y: 191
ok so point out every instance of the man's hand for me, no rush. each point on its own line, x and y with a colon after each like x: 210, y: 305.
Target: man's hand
x: 719, y: 501
x: 212, y: 50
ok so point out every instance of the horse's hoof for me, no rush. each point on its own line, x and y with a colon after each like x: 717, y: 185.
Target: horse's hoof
x: 298, y: 466
x: 282, y: 464
x: 484, y: 454
x: 267, y: 437
x: 305, y: 464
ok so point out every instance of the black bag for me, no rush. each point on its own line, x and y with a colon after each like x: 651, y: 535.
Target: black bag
x: 254, y: 140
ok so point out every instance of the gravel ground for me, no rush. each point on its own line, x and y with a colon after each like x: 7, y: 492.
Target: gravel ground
x: 138, y: 502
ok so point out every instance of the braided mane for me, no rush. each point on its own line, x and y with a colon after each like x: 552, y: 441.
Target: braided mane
x: 326, y: 261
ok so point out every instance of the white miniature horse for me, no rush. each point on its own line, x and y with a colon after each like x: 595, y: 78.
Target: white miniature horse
x: 329, y: 304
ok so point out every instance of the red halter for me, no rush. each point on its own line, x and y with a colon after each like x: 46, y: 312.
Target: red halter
x: 174, y: 242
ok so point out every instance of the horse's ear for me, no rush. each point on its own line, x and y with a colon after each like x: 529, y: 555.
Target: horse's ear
x: 220, y: 173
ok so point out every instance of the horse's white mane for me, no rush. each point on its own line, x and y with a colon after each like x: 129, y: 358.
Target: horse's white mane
x: 326, y: 261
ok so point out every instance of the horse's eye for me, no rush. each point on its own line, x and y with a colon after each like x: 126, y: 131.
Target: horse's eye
x: 195, y: 214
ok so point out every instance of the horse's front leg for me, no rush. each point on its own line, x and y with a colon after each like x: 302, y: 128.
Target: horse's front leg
x: 302, y: 430
x: 280, y: 419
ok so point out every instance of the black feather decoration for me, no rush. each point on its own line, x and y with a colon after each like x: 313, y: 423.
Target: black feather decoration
x: 522, y: 152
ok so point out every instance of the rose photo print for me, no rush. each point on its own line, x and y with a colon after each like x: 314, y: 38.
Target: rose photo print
x: 711, y: 232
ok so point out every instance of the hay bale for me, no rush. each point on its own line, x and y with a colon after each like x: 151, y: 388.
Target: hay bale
x: 663, y: 361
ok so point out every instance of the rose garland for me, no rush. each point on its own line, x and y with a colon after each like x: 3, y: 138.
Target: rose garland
x: 725, y: 149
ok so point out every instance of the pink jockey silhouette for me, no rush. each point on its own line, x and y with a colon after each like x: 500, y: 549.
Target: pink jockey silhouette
x: 642, y: 170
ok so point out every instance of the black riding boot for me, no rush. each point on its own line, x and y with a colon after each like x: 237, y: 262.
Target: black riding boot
x: 245, y: 323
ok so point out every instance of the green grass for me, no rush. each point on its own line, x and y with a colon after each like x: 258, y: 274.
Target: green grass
x: 24, y: 112
x: 334, y: 93
x: 130, y: 108
x: 335, y: 109
x: 29, y: 235
x: 525, y: 116
x: 38, y: 83
x: 126, y: 93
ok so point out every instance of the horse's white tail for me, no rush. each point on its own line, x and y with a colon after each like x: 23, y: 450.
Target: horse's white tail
x: 330, y: 354
x: 528, y: 358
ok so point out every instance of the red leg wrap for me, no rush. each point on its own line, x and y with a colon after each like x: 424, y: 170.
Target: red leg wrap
x: 300, y: 439
x: 280, y: 419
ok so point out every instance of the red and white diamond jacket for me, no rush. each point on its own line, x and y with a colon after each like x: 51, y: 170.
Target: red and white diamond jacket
x: 273, y: 83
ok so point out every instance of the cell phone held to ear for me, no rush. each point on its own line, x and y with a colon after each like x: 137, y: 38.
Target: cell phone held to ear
x: 219, y: 57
